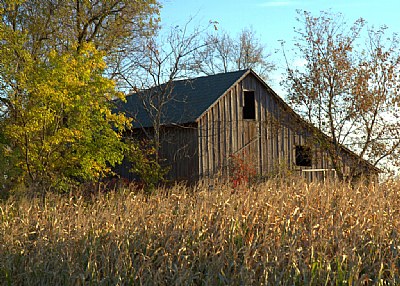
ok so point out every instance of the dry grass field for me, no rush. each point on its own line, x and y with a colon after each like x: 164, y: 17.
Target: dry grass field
x: 276, y: 233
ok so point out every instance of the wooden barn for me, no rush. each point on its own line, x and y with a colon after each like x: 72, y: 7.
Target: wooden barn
x: 210, y: 120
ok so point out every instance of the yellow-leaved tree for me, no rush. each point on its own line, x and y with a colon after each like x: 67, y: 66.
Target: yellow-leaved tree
x: 57, y: 123
x: 56, y: 92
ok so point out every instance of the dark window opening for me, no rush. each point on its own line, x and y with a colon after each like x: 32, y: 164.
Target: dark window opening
x: 303, y: 156
x: 249, y: 108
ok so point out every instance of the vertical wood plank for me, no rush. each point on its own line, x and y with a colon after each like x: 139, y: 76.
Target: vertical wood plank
x: 234, y: 120
x: 200, y: 149
x: 223, y: 141
x: 204, y: 145
x: 210, y: 130
x: 207, y: 144
x: 239, y: 117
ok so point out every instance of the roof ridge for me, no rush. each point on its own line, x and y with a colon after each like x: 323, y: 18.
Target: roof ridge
x: 210, y: 75
x: 200, y: 93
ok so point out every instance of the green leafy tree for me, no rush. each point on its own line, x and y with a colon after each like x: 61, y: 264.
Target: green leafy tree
x: 56, y: 95
x: 57, y: 121
x: 116, y: 27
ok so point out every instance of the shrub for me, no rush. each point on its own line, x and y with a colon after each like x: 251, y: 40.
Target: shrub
x: 241, y: 169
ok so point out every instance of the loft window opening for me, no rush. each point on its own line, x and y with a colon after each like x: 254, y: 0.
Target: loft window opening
x: 303, y: 156
x: 249, y: 108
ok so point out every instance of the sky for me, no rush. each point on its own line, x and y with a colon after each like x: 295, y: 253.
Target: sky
x: 274, y: 20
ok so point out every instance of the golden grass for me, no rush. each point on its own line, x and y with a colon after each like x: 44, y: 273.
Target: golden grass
x: 277, y: 233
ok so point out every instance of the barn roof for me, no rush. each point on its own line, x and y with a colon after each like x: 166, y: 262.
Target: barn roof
x: 190, y: 99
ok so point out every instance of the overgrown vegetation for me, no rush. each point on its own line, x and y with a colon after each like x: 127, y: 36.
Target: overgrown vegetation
x: 280, y: 232
x: 58, y: 125
x: 145, y: 164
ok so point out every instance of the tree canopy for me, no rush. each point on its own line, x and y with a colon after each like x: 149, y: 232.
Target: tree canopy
x: 57, y: 124
x: 349, y: 86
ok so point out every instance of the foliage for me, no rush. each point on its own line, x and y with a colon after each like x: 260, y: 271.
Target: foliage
x: 241, y: 170
x: 113, y: 26
x: 57, y: 118
x: 55, y: 101
x: 145, y: 165
x: 348, y: 90
x: 275, y: 234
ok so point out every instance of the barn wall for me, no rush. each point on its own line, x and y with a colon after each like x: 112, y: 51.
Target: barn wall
x: 179, y: 152
x: 267, y: 143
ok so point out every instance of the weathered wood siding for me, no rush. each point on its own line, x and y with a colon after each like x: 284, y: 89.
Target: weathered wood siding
x: 179, y: 152
x: 268, y: 142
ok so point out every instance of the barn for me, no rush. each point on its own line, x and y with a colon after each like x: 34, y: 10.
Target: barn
x: 207, y: 121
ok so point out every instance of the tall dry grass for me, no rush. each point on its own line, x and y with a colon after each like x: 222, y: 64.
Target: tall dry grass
x: 278, y: 233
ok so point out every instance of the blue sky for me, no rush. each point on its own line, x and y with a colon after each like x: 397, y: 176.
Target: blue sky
x: 273, y: 20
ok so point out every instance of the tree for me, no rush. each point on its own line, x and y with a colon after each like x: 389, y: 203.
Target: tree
x: 62, y: 128
x: 115, y: 27
x: 151, y: 72
x: 348, y: 91
x: 225, y: 54
x: 56, y: 124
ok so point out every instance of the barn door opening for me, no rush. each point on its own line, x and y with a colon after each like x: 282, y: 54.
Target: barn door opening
x: 249, y: 108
